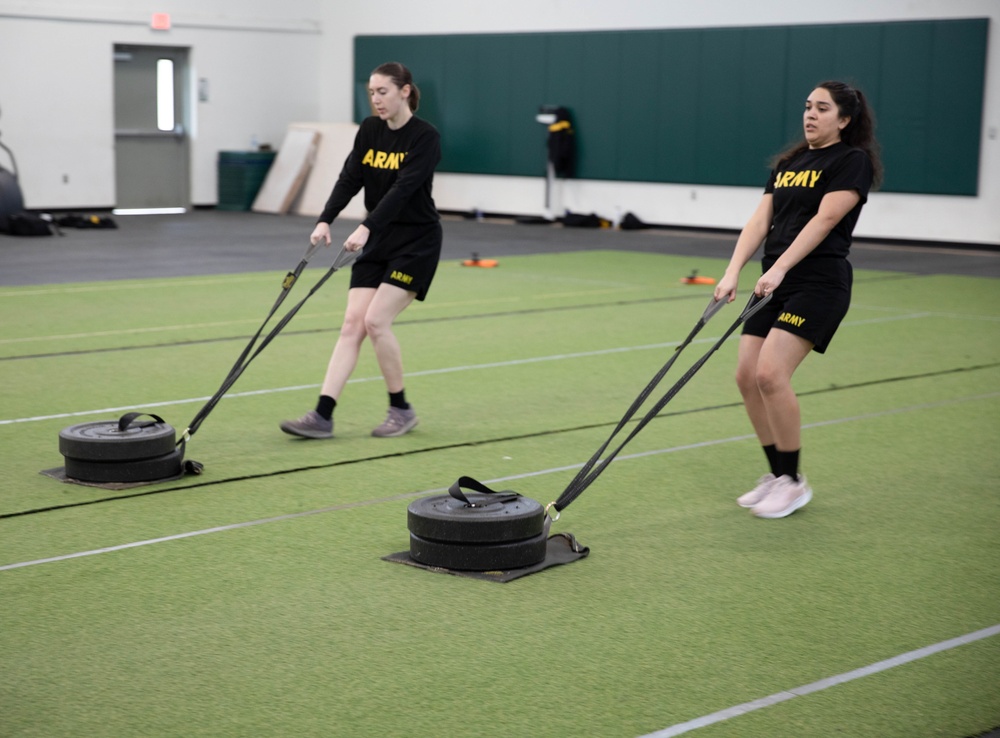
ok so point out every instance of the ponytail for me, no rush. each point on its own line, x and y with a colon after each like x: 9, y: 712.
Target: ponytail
x: 860, y: 131
x: 401, y: 77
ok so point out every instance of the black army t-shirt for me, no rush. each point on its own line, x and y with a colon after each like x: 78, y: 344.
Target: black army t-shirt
x: 799, y: 185
x: 396, y: 169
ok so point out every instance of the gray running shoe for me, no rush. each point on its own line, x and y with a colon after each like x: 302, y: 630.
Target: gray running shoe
x: 396, y: 423
x: 310, y: 425
x: 758, y: 493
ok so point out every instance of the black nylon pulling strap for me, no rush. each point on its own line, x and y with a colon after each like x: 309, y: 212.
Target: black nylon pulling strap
x: 344, y: 258
x: 713, y: 307
x: 592, y: 469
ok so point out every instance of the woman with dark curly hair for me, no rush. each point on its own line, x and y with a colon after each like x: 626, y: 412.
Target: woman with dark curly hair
x: 806, y: 221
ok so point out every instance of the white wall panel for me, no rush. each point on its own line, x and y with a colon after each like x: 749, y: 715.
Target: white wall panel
x: 269, y: 64
x: 56, y: 68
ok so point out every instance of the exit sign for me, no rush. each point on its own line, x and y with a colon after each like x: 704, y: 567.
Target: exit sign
x: 160, y: 22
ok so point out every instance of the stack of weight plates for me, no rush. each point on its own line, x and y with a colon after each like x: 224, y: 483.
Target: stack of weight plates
x: 491, y: 532
x: 117, y: 451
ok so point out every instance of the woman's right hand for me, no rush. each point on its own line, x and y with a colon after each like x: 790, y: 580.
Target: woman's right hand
x: 726, y: 288
x: 320, y: 232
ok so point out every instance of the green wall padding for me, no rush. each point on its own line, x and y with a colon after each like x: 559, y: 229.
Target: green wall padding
x: 696, y: 106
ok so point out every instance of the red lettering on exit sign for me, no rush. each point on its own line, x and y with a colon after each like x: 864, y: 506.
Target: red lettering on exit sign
x: 160, y: 22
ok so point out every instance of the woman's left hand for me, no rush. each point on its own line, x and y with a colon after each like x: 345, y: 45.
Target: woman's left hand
x: 357, y: 240
x: 769, y: 281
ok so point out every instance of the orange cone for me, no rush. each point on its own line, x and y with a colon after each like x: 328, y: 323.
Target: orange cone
x: 693, y: 278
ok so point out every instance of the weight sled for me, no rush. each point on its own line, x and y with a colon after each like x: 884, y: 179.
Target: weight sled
x: 478, y: 556
x: 121, y: 451
x: 509, y: 517
x: 167, y: 466
x: 117, y: 440
x: 491, y: 530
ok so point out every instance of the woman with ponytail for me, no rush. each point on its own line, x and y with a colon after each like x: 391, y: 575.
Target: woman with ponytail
x: 393, y: 159
x: 806, y: 221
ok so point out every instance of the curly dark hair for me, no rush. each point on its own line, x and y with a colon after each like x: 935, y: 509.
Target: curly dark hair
x: 860, y: 132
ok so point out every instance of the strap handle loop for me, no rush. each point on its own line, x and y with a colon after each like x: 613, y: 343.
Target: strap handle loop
x: 125, y: 421
x: 455, y: 490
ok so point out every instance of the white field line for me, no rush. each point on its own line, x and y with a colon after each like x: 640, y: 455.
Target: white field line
x: 679, y: 728
x: 498, y: 480
x: 848, y: 676
x: 128, y: 331
x: 424, y: 373
x: 303, y: 316
x: 15, y: 292
x: 438, y: 305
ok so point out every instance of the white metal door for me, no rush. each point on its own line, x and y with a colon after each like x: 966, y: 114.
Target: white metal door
x: 152, y: 159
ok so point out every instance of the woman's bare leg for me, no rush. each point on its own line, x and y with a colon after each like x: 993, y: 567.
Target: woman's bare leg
x: 779, y: 357
x: 388, y: 302
x: 348, y: 347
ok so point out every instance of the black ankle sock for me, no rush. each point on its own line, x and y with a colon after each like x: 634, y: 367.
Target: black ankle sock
x: 788, y: 464
x: 398, y: 399
x: 325, y: 406
x: 771, y: 452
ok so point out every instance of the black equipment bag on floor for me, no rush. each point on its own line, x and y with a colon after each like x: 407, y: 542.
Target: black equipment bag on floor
x: 25, y: 224
x: 11, y: 201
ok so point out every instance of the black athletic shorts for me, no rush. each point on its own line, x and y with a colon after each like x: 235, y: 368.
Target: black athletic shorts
x: 403, y: 255
x: 810, y: 302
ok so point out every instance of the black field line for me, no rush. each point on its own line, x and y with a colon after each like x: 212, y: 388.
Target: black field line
x: 819, y: 686
x: 526, y: 436
x: 678, y: 728
x: 438, y: 305
x: 421, y: 373
x: 302, y: 316
x: 415, y: 321
x: 409, y: 495
x: 336, y: 329
x: 165, y: 344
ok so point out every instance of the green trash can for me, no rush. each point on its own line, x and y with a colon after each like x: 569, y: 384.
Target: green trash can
x: 241, y: 174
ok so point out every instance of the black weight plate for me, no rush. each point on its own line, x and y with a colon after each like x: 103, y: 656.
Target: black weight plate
x: 443, y: 518
x: 482, y: 557
x: 136, y: 470
x: 102, y: 441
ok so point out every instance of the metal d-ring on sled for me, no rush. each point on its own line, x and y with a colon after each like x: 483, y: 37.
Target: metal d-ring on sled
x: 130, y: 451
x: 501, y: 530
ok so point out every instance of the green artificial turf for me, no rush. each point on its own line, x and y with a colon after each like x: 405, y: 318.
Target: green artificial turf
x: 255, y: 601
